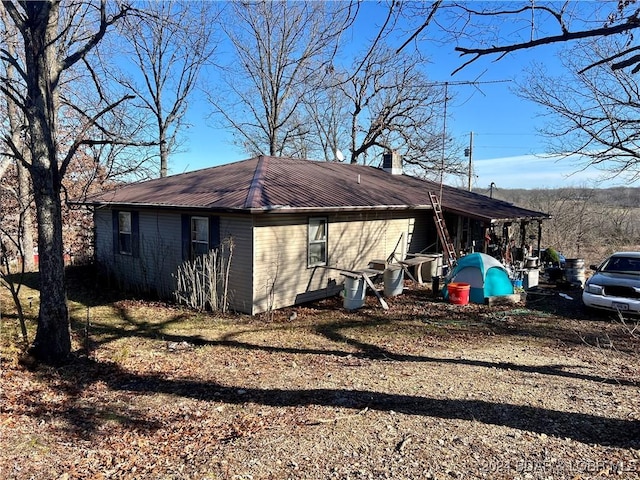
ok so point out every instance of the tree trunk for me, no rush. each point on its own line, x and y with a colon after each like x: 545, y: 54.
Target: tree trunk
x: 25, y: 230
x: 164, y: 153
x: 52, y: 343
x: 26, y: 237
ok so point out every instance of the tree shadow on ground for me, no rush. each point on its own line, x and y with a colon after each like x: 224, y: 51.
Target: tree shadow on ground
x: 336, y: 332
x: 577, y: 426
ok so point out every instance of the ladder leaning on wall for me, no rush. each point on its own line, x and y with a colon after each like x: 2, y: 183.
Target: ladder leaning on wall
x: 443, y: 233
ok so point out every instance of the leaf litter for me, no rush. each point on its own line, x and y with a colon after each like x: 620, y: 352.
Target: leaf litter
x: 423, y: 390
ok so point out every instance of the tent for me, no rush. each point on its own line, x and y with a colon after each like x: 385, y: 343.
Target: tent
x: 486, y: 275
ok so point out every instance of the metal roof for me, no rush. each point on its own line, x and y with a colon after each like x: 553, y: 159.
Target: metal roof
x: 276, y: 184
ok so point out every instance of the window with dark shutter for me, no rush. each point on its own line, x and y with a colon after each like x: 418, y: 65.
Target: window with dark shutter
x: 199, y: 236
x: 125, y: 233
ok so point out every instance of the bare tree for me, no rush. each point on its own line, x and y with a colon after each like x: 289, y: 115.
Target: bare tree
x: 55, y: 43
x: 594, y: 107
x: 327, y: 112
x: 20, y: 188
x: 592, y: 112
x: 550, y: 23
x: 170, y: 43
x: 393, y: 106
x: 282, y: 50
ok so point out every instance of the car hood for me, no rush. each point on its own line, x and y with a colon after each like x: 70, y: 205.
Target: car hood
x: 616, y: 278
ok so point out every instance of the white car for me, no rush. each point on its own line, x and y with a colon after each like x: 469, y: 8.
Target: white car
x: 615, y: 285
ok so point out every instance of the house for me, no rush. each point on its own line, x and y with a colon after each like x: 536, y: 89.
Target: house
x: 295, y: 224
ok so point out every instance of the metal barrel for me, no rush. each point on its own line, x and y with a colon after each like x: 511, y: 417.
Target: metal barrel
x: 574, y: 271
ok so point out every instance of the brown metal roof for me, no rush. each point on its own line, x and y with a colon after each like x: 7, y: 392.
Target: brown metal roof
x: 274, y: 184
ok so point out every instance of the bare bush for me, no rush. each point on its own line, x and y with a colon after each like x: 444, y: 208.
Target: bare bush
x: 203, y: 283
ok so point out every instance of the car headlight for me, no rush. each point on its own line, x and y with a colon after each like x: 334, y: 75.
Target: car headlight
x: 594, y: 289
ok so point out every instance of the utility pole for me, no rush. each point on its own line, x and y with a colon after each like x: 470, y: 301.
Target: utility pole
x: 474, y: 83
x: 468, y: 152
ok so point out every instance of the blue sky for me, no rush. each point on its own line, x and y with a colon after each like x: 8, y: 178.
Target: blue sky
x: 507, y: 149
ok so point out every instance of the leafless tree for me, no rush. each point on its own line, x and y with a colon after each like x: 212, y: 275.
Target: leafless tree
x: 592, y: 112
x: 282, y: 51
x: 20, y: 188
x: 169, y: 42
x: 593, y: 108
x: 56, y: 43
x: 533, y: 24
x: 393, y: 106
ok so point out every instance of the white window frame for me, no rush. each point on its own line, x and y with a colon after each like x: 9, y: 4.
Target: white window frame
x: 194, y: 234
x: 125, y: 230
x: 314, y: 260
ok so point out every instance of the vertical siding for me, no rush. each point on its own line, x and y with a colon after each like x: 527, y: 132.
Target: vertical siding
x: 161, y: 254
x: 103, y: 235
x: 239, y: 229
x: 160, y: 251
x: 424, y: 233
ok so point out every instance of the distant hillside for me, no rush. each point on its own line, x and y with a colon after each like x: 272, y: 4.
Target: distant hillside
x: 625, y: 197
x: 585, y: 223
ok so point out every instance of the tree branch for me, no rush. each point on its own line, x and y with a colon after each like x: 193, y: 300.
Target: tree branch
x: 631, y: 24
x: 91, y: 123
x: 96, y: 37
x: 434, y: 8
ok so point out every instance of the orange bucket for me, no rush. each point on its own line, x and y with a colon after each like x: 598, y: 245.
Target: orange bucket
x: 459, y: 293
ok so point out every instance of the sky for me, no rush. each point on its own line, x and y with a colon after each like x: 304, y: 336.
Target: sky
x: 508, y: 151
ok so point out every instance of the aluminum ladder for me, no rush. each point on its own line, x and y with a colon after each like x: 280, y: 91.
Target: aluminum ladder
x: 443, y: 233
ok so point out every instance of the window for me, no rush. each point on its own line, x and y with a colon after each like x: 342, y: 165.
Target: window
x: 317, y: 242
x: 199, y: 236
x: 126, y: 231
x: 125, y: 244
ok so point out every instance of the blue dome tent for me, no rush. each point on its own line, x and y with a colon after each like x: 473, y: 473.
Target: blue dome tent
x: 486, y: 275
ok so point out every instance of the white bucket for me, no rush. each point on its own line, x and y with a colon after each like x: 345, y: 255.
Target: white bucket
x: 354, y: 291
x: 393, y: 281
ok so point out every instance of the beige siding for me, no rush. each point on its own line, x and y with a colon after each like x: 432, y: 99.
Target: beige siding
x: 281, y: 275
x: 280, y: 265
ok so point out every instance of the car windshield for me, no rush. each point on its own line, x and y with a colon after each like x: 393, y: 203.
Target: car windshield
x: 622, y: 264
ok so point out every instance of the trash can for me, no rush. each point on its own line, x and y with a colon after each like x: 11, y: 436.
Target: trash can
x: 393, y: 278
x: 531, y: 278
x: 354, y: 292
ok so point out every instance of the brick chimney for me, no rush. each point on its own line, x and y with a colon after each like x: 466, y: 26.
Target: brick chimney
x: 392, y: 163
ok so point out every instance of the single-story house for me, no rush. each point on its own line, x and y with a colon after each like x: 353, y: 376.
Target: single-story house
x: 295, y: 225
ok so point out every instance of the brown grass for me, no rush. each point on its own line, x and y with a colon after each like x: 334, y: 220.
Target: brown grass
x: 424, y: 390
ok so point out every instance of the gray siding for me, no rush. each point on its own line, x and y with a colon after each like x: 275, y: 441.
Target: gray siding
x: 239, y: 229
x: 159, y: 254
x: 160, y: 236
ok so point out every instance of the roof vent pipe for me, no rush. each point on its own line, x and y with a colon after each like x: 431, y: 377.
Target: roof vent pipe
x: 392, y: 162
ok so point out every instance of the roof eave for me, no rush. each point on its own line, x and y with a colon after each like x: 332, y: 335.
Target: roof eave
x: 286, y: 209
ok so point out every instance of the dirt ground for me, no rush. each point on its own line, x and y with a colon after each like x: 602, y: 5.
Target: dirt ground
x: 534, y: 390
